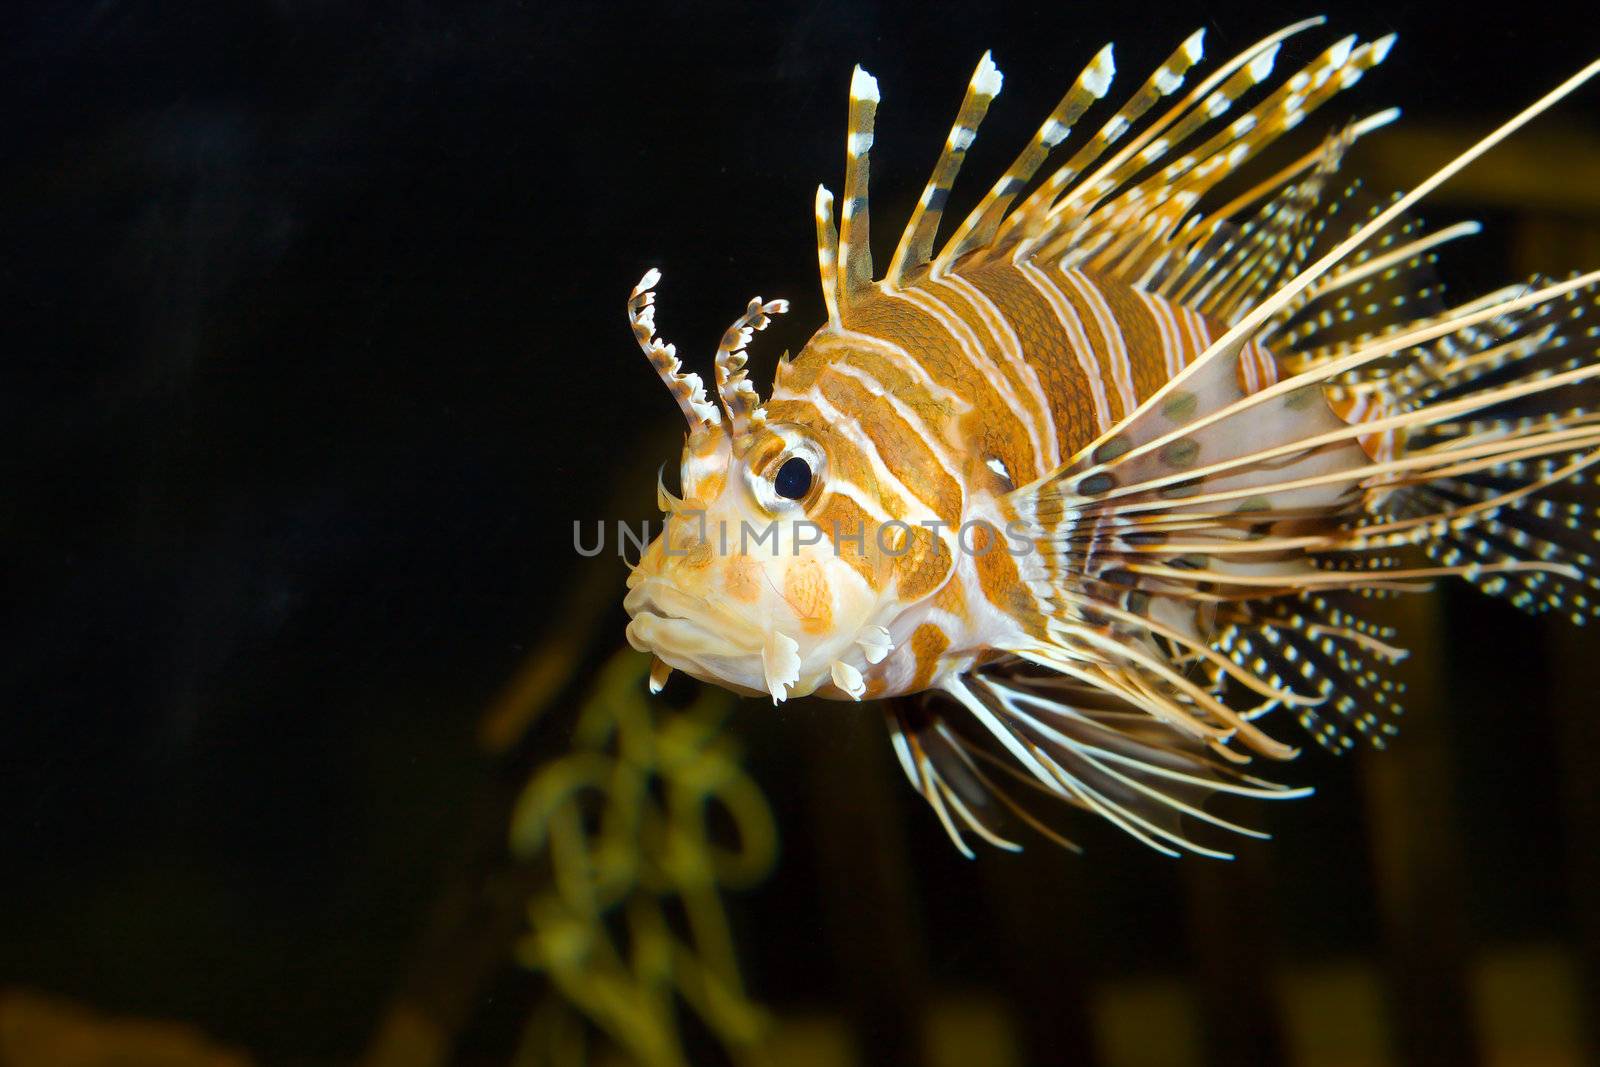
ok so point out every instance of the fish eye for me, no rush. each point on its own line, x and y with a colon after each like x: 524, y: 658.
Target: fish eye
x: 793, y: 479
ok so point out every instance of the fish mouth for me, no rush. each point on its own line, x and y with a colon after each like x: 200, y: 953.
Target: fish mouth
x: 688, y: 634
x: 668, y: 637
x: 674, y: 624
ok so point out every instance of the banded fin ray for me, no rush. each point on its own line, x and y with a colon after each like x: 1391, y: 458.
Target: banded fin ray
x: 916, y: 242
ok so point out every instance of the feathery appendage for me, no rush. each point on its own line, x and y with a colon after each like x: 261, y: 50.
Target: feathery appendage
x: 687, y: 389
x: 739, y: 398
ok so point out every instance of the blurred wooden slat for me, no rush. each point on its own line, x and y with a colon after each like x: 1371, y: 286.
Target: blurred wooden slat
x: 45, y: 1031
x: 1042, y: 913
x: 1528, y: 998
x: 1230, y: 931
x: 1415, y: 832
x: 812, y: 1040
x: 1336, y: 1017
x: 1546, y: 242
x: 480, y: 910
x: 975, y: 1030
x: 1148, y: 1023
x: 1577, y: 680
x: 550, y: 666
x: 572, y: 621
x: 1516, y: 175
x: 480, y: 906
x: 1552, y: 244
x: 867, y: 889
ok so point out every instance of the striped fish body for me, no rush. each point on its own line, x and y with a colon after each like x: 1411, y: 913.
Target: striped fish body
x: 1100, y: 488
x: 956, y: 390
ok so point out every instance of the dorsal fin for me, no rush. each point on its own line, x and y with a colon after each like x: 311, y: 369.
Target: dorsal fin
x: 855, y: 251
x: 979, y: 226
x: 828, y: 255
x: 1140, y: 223
x: 1228, y: 213
x: 1166, y: 80
x: 916, y: 243
x: 1209, y: 99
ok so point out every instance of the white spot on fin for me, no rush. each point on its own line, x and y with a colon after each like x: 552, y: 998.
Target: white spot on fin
x: 988, y: 78
x: 1337, y: 55
x: 1097, y: 79
x: 1261, y: 65
x: 863, y: 86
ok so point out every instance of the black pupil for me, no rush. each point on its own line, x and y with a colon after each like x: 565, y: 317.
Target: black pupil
x: 794, y: 478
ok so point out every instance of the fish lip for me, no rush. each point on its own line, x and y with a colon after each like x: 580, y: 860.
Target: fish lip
x: 670, y: 623
x: 673, y: 644
x: 641, y: 604
x: 644, y: 601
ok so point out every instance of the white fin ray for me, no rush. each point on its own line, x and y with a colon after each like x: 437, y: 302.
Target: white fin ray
x: 855, y: 239
x: 1123, y: 767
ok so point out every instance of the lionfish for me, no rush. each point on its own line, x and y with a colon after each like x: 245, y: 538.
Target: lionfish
x: 1104, y: 480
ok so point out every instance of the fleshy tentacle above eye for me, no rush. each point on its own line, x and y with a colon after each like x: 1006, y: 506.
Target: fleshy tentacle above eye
x: 739, y: 397
x: 687, y: 389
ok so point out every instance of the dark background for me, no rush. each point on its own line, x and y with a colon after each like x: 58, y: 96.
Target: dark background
x: 315, y: 348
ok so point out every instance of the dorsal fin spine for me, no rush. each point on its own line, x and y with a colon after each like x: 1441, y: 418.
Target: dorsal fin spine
x: 855, y: 251
x: 979, y: 227
x: 1087, y: 224
x: 828, y: 256
x: 916, y: 243
x: 1210, y: 98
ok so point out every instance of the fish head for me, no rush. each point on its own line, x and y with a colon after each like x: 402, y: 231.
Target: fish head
x: 769, y: 576
x: 765, y: 578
